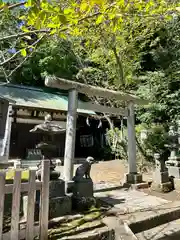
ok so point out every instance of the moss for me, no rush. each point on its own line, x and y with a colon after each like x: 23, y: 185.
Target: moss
x: 91, y: 219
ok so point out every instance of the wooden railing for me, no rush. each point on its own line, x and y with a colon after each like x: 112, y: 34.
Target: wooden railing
x: 30, y: 231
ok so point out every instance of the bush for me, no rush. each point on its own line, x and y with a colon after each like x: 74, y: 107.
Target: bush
x: 155, y: 142
x: 157, y: 137
x: 117, y: 143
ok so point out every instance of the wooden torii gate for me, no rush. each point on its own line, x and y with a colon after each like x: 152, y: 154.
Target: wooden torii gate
x: 73, y: 88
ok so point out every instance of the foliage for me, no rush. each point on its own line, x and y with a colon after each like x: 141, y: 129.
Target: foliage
x: 117, y: 143
x: 53, y: 56
x: 112, y: 25
x: 158, y: 80
x: 157, y: 137
x: 10, y: 175
x: 155, y: 142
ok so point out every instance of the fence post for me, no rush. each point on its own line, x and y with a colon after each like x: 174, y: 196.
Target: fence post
x: 44, y: 202
x: 31, y: 205
x: 2, y: 194
x: 16, y: 205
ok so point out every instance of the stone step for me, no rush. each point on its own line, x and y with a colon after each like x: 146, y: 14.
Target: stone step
x: 169, y: 231
x: 122, y: 230
x: 96, y: 234
x: 150, y: 218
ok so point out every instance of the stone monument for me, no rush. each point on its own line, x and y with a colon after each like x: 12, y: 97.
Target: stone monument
x: 59, y: 203
x: 161, y: 180
x: 82, y: 191
x: 173, y: 163
x: 47, y: 146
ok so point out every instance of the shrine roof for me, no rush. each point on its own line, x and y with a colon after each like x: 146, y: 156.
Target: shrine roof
x: 37, y: 98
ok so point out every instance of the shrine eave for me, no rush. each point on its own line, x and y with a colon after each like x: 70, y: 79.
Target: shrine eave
x: 39, y: 99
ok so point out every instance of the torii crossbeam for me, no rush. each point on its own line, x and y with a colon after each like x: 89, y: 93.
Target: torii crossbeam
x: 74, y: 88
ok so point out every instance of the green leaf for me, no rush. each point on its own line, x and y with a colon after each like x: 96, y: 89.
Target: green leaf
x: 28, y: 4
x: 100, y: 19
x: 84, y: 6
x: 24, y: 29
x: 62, y: 18
x: 68, y: 11
x: 1, y: 4
x: 53, y: 32
x: 23, y: 52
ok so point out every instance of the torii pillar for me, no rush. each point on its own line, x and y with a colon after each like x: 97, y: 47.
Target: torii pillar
x: 132, y: 176
x: 70, y: 139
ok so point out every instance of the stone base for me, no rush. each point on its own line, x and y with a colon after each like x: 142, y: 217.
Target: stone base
x: 160, y: 177
x: 83, y: 188
x: 162, y: 187
x: 69, y: 187
x: 142, y: 185
x: 59, y: 206
x: 133, y: 178
x: 56, y: 188
x: 174, y: 171
x: 176, y: 184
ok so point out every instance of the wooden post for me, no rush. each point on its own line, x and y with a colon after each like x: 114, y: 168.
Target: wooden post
x: 31, y: 205
x: 2, y: 194
x: 131, y: 139
x: 70, y: 135
x: 16, y: 205
x: 44, y: 202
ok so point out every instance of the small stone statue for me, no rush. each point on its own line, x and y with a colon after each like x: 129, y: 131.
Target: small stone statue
x: 84, y: 169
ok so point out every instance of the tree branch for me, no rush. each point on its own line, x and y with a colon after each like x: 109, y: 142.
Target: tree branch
x: 119, y: 63
x: 10, y: 7
x: 24, y: 60
x: 24, y: 34
x: 14, y: 55
x: 5, y: 75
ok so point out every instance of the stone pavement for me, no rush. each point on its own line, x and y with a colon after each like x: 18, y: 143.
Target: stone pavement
x: 129, y: 201
x: 134, y: 206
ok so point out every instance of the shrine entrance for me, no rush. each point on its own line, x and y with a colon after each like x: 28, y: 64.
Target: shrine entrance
x: 128, y: 111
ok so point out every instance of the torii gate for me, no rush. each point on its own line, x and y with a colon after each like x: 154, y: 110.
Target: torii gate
x: 73, y: 88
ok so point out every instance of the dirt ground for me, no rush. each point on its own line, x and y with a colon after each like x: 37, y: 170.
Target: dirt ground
x: 114, y: 171
x: 108, y: 171
x: 111, y: 171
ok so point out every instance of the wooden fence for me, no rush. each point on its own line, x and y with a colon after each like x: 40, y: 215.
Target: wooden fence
x: 30, y: 231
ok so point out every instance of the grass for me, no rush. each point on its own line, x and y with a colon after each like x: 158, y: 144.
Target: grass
x: 10, y: 174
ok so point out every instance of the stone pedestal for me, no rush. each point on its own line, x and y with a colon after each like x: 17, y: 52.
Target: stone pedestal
x: 174, y: 171
x: 161, y: 180
x: 133, y: 178
x: 173, y: 165
x: 59, y: 203
x: 176, y: 184
x: 83, y: 188
x: 83, y: 199
x: 160, y: 177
